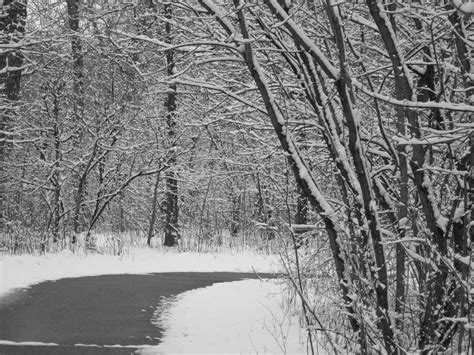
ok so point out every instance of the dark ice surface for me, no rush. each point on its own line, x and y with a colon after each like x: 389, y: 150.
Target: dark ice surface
x: 100, y: 310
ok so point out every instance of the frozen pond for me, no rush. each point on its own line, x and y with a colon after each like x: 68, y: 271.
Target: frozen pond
x: 87, y: 315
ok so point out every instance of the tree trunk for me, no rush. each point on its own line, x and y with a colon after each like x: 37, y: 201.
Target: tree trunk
x: 171, y: 203
x: 172, y: 211
x: 351, y: 114
x: 236, y: 215
x: 435, y: 285
x: 463, y: 231
x: 154, y: 204
x: 298, y: 165
x: 78, y: 59
x: 78, y: 102
x: 12, y: 29
x: 56, y: 176
x: 301, y: 216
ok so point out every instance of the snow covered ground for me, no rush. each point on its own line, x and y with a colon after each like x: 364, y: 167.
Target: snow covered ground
x: 240, y: 317
x: 25, y: 270
x: 243, y: 317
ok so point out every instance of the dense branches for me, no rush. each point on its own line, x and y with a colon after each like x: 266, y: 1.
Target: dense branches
x: 374, y: 124
x: 12, y: 31
x: 365, y: 162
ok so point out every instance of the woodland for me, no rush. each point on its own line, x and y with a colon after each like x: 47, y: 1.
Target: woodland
x: 338, y: 134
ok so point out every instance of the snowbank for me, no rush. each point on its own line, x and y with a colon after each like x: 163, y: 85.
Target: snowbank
x: 243, y: 317
x: 25, y: 270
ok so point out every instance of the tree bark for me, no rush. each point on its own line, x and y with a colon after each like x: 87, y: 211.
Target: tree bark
x: 367, y: 194
x: 434, y: 219
x: 56, y: 176
x: 297, y: 164
x: 12, y: 30
x: 171, y: 202
x: 301, y: 216
x: 78, y: 103
x: 154, y: 205
x: 463, y: 231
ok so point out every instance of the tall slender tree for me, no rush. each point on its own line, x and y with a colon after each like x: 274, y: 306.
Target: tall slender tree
x: 171, y: 202
x: 12, y: 29
x: 73, y: 12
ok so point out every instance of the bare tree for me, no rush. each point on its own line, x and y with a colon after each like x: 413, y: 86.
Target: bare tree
x: 336, y: 76
x: 12, y: 30
x: 171, y: 202
x: 73, y: 12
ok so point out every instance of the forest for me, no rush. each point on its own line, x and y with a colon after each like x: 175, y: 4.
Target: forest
x: 337, y: 134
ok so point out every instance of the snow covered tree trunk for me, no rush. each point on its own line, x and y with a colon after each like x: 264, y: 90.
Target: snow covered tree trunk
x: 73, y: 13
x: 56, y: 176
x: 302, y: 175
x: 301, y: 216
x: 171, y: 202
x: 437, y: 302
x: 154, y: 208
x: 367, y: 194
x: 463, y: 226
x: 12, y: 30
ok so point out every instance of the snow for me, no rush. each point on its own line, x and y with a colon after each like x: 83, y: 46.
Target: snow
x: 442, y: 105
x: 38, y: 343
x: 19, y: 271
x: 249, y: 316
x: 459, y: 213
x: 466, y: 260
x: 306, y: 41
x: 30, y: 343
x: 403, y: 223
x: 431, y: 140
x: 244, y: 317
x: 221, y: 16
x: 464, y: 7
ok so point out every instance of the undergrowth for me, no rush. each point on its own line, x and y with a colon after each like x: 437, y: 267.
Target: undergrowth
x: 17, y: 240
